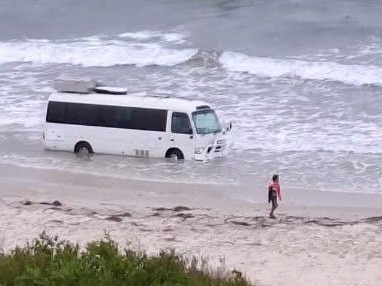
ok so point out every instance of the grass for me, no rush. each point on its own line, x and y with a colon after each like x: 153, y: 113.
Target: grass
x: 47, y: 261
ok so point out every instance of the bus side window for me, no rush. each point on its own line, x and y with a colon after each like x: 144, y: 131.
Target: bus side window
x: 56, y: 112
x: 180, y: 123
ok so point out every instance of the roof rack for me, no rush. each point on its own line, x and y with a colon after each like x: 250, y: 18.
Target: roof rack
x: 75, y: 85
x: 110, y: 90
x: 84, y: 85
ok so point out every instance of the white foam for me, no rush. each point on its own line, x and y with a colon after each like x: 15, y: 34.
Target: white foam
x: 318, y: 70
x: 362, y: 138
x: 143, y: 35
x: 93, y: 51
x: 172, y: 37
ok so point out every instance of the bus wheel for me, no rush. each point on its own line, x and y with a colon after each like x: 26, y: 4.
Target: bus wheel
x: 83, y: 149
x: 174, y: 154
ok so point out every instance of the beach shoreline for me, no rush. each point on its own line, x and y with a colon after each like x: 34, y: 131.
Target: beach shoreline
x: 309, y: 243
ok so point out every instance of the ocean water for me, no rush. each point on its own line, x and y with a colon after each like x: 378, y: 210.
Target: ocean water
x: 301, y: 80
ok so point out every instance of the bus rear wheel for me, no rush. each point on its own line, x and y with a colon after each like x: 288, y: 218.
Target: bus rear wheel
x: 174, y: 154
x: 83, y: 149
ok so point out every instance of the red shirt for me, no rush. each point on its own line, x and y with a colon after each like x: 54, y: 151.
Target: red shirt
x: 276, y: 186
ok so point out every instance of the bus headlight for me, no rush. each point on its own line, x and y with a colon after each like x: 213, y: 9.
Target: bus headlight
x: 199, y: 150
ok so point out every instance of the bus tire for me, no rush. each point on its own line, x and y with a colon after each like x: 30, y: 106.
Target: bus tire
x: 174, y: 154
x: 83, y: 148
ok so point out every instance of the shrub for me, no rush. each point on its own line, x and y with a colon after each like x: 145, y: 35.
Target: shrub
x: 48, y: 261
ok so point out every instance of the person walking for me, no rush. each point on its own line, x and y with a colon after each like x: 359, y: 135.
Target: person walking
x: 274, y: 192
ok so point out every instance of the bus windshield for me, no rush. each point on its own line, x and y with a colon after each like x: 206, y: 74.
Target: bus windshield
x: 206, y: 121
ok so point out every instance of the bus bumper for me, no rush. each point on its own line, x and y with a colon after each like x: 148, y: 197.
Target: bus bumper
x: 219, y: 148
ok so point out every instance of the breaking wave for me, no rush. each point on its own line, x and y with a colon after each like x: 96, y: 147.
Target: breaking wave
x: 147, y: 48
x: 139, y: 49
x: 317, y: 70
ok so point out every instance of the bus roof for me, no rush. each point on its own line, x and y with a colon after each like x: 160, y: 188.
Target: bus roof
x: 131, y: 100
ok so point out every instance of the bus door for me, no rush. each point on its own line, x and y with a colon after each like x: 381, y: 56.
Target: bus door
x: 181, y: 135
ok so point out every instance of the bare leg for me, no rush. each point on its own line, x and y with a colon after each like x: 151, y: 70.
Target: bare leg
x: 274, y: 207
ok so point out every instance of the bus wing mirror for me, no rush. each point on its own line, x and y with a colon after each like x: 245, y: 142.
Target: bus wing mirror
x: 229, y: 127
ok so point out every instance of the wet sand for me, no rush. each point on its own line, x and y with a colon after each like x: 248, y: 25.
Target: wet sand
x: 332, y: 240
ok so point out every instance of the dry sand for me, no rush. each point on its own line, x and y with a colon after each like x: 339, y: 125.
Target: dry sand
x: 310, y: 245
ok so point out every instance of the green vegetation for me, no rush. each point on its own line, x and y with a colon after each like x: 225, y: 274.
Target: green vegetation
x: 48, y: 261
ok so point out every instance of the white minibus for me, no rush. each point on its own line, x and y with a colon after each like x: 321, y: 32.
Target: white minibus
x: 84, y: 118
